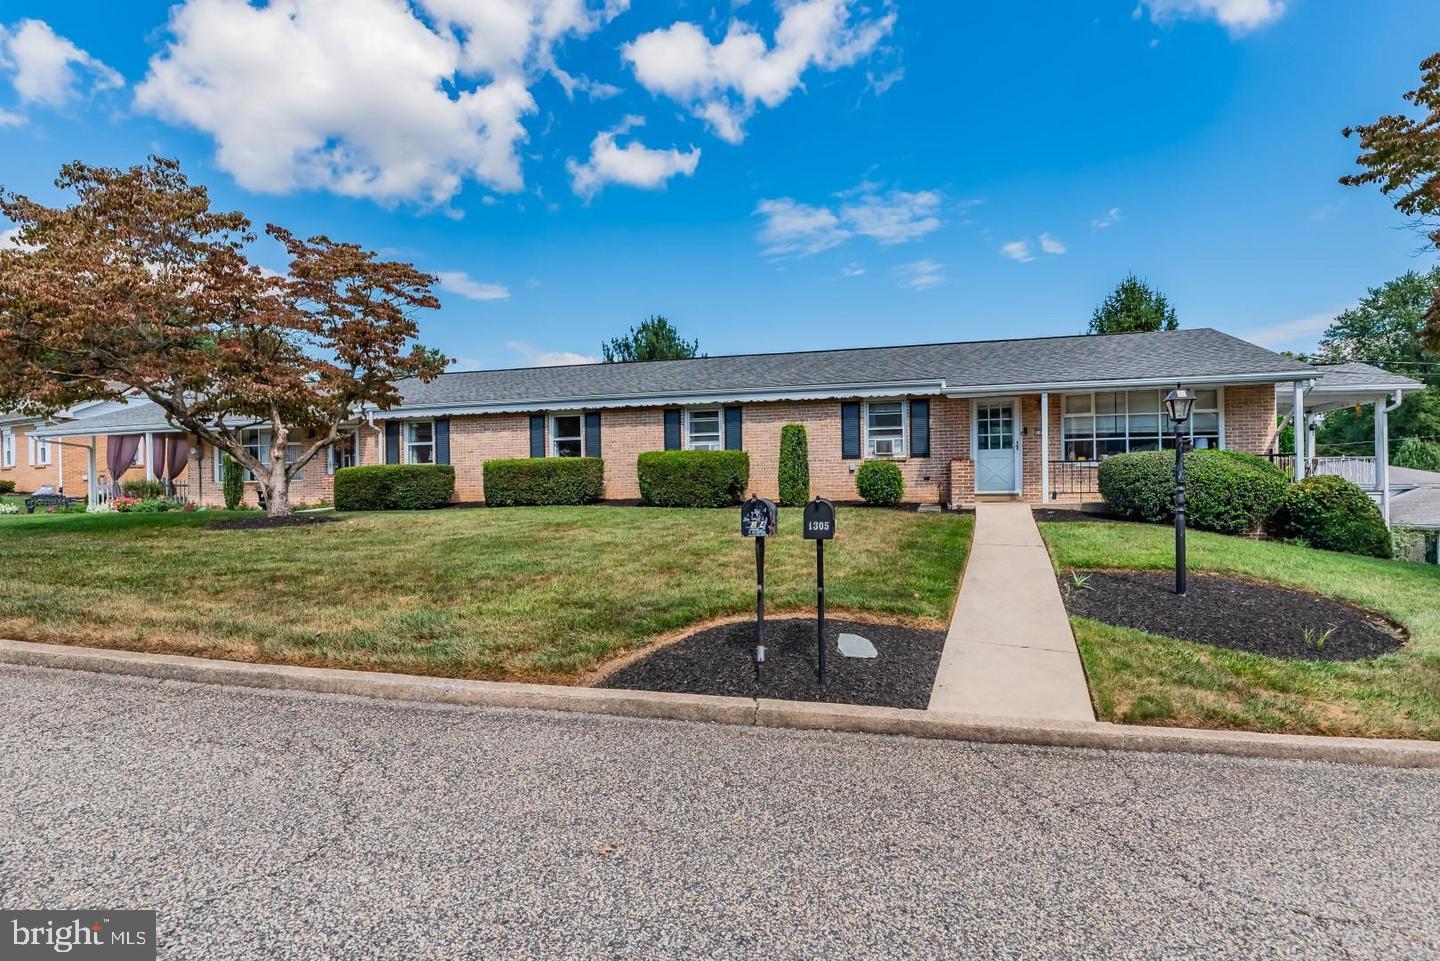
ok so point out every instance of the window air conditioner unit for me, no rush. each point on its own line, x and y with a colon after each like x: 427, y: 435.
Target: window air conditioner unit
x: 884, y: 448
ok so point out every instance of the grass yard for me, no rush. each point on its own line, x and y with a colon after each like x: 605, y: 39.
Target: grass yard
x: 1142, y: 678
x: 506, y: 594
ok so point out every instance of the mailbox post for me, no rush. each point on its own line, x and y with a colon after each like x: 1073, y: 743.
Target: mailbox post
x: 819, y: 524
x: 759, y: 519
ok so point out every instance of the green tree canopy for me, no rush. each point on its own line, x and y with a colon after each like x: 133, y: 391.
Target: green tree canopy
x: 1384, y: 329
x: 654, y: 338
x: 1133, y: 306
x: 1401, y: 154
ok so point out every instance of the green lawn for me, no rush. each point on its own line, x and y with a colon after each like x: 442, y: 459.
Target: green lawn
x: 1142, y: 678
x: 513, y: 594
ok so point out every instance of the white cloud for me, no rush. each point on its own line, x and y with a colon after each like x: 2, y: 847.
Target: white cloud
x: 1051, y: 245
x: 363, y: 97
x: 459, y: 282
x: 542, y: 358
x: 1107, y: 219
x: 47, y: 68
x: 883, y: 82
x: 1237, y: 16
x: 1018, y: 250
x: 919, y: 274
x: 633, y: 165
x: 1302, y: 333
x: 852, y: 270
x: 723, y: 83
x: 10, y: 239
x: 892, y: 217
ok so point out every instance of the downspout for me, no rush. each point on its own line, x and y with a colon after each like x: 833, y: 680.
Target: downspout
x: 379, y: 438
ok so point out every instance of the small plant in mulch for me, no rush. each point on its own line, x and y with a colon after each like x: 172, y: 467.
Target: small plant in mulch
x: 1232, y: 613
x: 1078, y: 581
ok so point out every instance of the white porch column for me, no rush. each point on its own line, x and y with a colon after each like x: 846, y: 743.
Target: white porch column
x: 1382, y: 456
x: 149, y: 455
x: 1045, y: 447
x: 92, y: 493
x: 1297, y: 418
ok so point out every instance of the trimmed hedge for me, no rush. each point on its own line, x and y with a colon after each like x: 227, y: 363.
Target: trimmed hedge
x: 1228, y: 492
x: 794, y: 466
x: 7, y: 487
x: 533, y: 481
x: 879, y: 482
x: 693, y: 478
x: 394, y: 487
x: 1332, y: 514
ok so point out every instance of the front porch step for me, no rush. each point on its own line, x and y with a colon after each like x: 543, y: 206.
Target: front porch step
x: 996, y: 498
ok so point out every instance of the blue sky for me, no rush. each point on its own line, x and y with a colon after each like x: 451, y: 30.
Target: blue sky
x: 771, y: 176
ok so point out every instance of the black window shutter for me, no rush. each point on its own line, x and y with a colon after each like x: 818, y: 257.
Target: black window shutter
x: 592, y: 434
x: 537, y: 435
x: 850, y: 431
x: 920, y: 428
x: 734, y: 437
x: 392, y: 442
x: 672, y: 429
x: 442, y: 440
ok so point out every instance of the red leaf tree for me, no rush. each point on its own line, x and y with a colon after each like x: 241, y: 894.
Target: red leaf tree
x: 140, y: 284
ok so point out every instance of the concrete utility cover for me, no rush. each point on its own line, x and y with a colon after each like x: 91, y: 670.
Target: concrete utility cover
x: 853, y: 645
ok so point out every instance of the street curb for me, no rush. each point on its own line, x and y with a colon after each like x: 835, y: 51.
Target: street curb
x: 741, y: 711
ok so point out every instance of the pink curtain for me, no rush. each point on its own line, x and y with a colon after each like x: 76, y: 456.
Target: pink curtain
x: 157, y: 457
x: 120, y: 455
x: 177, y: 456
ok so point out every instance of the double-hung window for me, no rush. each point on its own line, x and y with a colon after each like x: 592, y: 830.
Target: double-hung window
x: 345, y: 452
x: 704, y: 431
x: 42, y: 452
x: 885, y: 428
x: 1097, y: 425
x: 567, y: 436
x: 7, y: 449
x: 420, y: 442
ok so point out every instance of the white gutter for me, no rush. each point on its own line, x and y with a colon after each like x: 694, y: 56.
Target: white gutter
x: 995, y: 390
x: 1382, y: 461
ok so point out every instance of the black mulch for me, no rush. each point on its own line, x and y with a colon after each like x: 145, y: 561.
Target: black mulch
x: 1232, y: 613
x: 262, y: 521
x: 1060, y: 514
x: 720, y: 660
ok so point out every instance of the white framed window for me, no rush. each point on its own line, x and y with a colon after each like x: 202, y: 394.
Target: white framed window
x: 345, y: 452
x: 704, y: 430
x: 885, y: 428
x: 1098, y: 425
x: 7, y: 448
x: 257, y: 445
x: 420, y: 442
x: 567, y: 435
x: 42, y: 452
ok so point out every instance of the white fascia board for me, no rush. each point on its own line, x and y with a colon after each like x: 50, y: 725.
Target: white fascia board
x: 79, y: 429
x: 684, y: 399
x: 1219, y: 380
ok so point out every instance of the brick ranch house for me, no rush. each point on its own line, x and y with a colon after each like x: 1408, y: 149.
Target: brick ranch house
x: 1026, y: 419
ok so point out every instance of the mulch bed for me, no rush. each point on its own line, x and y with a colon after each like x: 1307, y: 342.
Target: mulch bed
x: 1229, y: 612
x: 720, y: 660
x: 1060, y: 514
x: 262, y: 522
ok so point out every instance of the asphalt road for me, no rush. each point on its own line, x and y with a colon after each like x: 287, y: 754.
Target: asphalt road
x: 284, y: 826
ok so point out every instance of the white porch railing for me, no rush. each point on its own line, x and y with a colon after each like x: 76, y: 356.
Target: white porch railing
x: 1359, y: 471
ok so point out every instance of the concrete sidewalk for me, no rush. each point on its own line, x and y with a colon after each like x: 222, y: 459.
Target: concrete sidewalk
x: 1010, y: 651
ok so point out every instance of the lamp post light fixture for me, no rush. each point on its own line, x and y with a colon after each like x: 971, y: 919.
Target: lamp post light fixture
x: 1178, y: 404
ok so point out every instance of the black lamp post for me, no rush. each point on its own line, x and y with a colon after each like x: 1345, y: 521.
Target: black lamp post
x: 1177, y: 405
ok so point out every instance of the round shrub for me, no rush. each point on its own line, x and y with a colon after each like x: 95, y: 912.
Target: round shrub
x: 394, y: 487
x: 1332, y: 514
x: 7, y: 487
x: 794, y: 466
x: 1228, y: 492
x: 693, y: 478
x: 879, y: 482
x: 527, y: 481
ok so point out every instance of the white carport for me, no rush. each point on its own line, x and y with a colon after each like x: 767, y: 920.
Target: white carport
x: 1336, y: 387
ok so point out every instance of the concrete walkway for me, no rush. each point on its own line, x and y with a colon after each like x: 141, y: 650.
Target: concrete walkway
x: 1010, y: 652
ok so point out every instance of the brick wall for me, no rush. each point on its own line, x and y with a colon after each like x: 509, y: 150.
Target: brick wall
x: 962, y: 482
x: 29, y: 477
x: 1250, y: 418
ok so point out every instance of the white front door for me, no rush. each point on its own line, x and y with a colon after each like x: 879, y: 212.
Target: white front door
x: 995, y: 471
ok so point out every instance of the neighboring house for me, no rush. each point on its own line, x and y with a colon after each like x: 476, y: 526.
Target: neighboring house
x: 1023, y: 419
x: 34, y: 462
x: 1336, y: 387
x: 1415, y: 505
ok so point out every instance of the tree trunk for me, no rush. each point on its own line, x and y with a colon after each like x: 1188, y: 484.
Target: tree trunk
x: 277, y: 491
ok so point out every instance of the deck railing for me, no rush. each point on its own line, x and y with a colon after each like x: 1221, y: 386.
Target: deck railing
x: 1359, y: 471
x: 1070, y: 478
x: 105, y: 490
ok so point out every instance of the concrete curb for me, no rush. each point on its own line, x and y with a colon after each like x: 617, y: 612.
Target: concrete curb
x: 800, y: 715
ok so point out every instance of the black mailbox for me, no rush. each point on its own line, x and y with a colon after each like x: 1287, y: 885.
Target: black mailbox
x: 819, y: 520
x: 759, y: 518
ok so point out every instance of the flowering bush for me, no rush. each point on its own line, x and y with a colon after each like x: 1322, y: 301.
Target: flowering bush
x: 101, y: 508
x: 9, y: 508
x: 123, y: 505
